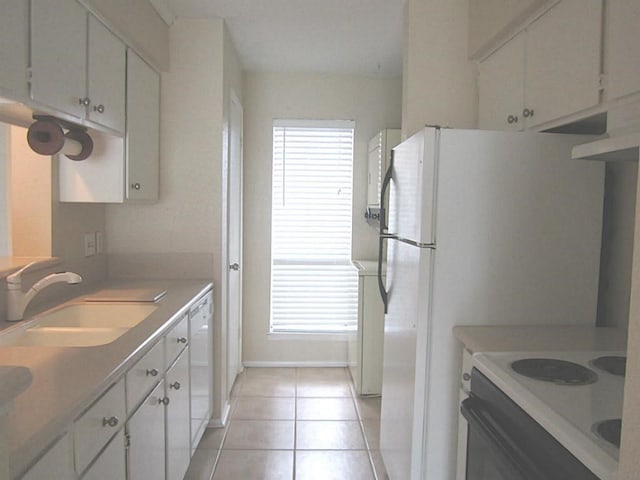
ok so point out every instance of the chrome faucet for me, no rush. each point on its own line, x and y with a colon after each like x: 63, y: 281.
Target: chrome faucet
x: 17, y: 300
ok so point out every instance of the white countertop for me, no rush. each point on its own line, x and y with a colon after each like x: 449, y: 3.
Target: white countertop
x: 66, y: 380
x: 540, y: 338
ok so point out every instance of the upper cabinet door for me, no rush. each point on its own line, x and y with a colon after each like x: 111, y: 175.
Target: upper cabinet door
x: 14, y: 42
x: 59, y: 55
x: 106, y: 77
x: 563, y: 61
x: 622, y: 38
x: 143, y: 125
x: 501, y: 87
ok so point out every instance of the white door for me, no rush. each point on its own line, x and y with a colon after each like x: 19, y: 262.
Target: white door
x: 234, y: 242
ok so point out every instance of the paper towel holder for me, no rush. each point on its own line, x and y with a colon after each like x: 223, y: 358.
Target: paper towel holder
x: 46, y: 136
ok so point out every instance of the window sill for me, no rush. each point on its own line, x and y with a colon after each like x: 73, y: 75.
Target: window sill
x: 307, y: 337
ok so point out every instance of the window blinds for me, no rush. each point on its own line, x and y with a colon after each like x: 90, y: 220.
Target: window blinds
x: 313, y: 286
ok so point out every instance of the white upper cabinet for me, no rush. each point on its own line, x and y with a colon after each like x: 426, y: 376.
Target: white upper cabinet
x: 106, y: 77
x: 548, y: 71
x: 622, y: 62
x: 143, y: 129
x: 77, y: 64
x: 59, y: 55
x: 501, y: 87
x: 563, y: 61
x: 14, y: 48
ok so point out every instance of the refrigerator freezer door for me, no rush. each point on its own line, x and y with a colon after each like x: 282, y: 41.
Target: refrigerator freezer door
x: 412, y: 191
x: 405, y: 333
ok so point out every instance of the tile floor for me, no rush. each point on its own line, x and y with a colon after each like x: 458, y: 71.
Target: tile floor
x: 294, y: 424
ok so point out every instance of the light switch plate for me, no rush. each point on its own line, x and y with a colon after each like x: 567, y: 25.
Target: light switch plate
x: 89, y: 244
x: 99, y: 242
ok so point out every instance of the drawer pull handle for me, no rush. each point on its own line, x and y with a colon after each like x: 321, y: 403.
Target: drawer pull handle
x: 175, y: 385
x: 152, y: 372
x: 164, y: 401
x: 182, y: 339
x: 111, y: 421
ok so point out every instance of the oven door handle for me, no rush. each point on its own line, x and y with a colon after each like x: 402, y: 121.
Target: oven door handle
x: 477, y: 416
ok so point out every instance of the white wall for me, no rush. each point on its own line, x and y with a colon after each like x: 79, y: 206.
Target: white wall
x: 438, y: 79
x: 5, y: 193
x: 374, y: 103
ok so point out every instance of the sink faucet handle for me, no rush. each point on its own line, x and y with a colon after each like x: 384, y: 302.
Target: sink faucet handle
x: 16, y: 277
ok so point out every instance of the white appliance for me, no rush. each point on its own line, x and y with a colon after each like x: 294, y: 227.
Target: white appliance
x: 575, y: 396
x: 484, y: 228
x: 364, y: 346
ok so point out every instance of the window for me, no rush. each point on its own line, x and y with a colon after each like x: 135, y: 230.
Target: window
x: 313, y: 286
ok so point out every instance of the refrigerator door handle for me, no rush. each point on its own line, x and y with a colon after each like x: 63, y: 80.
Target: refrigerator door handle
x: 383, y: 231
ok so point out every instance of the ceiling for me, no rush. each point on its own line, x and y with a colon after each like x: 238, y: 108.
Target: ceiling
x: 319, y: 36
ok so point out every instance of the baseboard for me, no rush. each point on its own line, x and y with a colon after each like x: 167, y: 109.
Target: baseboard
x: 279, y: 364
x: 221, y: 422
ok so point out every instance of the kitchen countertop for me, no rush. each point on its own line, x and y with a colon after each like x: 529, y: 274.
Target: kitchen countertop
x: 540, y: 338
x: 67, y: 380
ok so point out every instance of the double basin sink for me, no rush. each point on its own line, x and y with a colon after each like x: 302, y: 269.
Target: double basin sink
x: 78, y: 325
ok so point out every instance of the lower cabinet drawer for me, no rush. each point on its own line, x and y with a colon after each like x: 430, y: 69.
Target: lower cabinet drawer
x: 144, y: 375
x: 96, y: 426
x: 177, y: 339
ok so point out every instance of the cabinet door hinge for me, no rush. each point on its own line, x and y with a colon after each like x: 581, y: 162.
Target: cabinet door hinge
x: 127, y: 440
x: 602, y: 82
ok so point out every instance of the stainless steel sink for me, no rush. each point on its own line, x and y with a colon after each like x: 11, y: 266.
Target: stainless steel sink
x: 78, y: 325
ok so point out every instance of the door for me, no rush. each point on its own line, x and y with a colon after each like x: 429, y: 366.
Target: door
x: 404, y: 361
x: 234, y: 242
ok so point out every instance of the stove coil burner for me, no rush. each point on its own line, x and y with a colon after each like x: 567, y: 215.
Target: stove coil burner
x: 614, y: 365
x: 556, y: 371
x: 609, y: 430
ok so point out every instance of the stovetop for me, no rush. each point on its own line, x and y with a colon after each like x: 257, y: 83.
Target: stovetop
x: 572, y: 410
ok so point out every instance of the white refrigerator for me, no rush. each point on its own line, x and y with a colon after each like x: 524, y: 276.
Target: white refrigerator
x: 485, y: 228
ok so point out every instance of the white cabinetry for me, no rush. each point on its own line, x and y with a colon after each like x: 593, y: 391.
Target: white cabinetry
x: 622, y: 37
x: 111, y: 463
x: 77, y: 64
x: 56, y: 463
x: 97, y: 425
x: 178, y: 445
x: 143, y: 130
x: 200, y: 324
x: 58, y: 47
x: 106, y: 77
x: 14, y: 48
x: 550, y: 70
x: 365, y: 347
x: 379, y: 154
x: 145, y: 436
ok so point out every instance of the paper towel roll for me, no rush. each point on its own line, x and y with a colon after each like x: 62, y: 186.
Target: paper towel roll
x: 46, y: 137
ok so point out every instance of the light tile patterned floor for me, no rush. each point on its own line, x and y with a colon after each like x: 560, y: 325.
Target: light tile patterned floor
x: 293, y: 424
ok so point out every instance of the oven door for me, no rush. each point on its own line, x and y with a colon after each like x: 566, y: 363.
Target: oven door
x: 492, y: 453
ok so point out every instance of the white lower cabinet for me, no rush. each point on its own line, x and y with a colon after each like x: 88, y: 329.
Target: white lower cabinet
x: 141, y: 426
x: 145, y: 438
x: 56, y: 463
x: 111, y: 463
x: 178, y: 421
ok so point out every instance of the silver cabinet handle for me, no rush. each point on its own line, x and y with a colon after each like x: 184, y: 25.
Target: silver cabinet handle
x: 86, y: 101
x: 234, y: 266
x: 111, y: 421
x: 466, y: 377
x: 182, y: 340
x: 512, y: 119
x: 164, y: 401
x: 526, y: 113
x: 99, y: 108
x: 175, y: 385
x: 135, y: 186
x: 152, y: 372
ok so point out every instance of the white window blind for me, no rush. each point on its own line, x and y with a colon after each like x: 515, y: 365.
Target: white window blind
x: 313, y: 286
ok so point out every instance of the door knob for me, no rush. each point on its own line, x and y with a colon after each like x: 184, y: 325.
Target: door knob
x: 234, y: 266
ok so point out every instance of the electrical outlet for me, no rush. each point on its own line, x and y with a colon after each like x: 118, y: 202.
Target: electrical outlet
x: 89, y: 244
x: 99, y: 242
